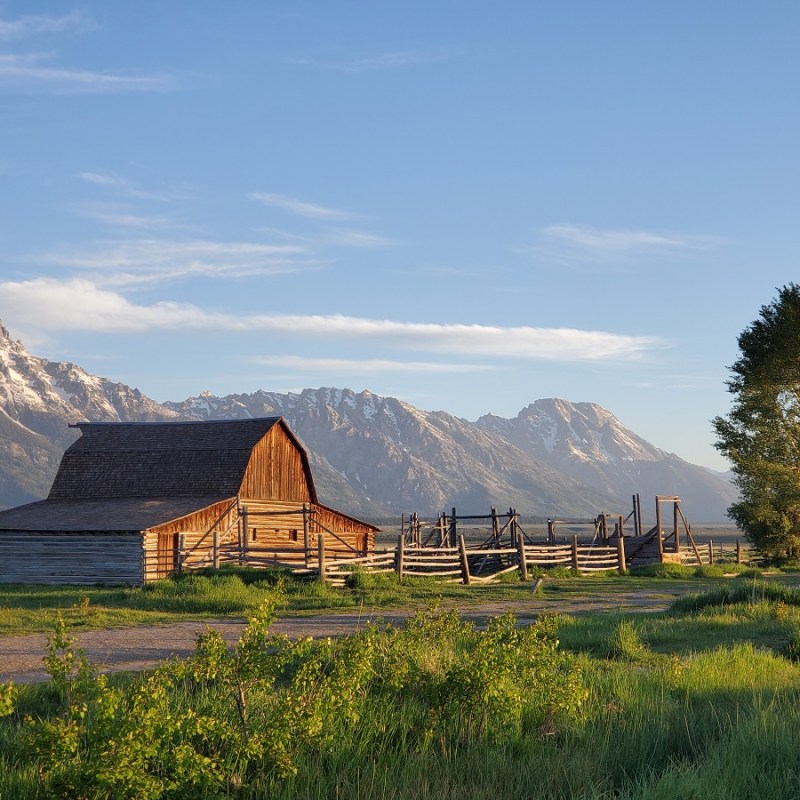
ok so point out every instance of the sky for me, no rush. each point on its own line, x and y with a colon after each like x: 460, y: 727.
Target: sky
x: 464, y: 205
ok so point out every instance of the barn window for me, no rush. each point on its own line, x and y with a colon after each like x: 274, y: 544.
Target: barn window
x: 293, y: 535
x: 255, y: 534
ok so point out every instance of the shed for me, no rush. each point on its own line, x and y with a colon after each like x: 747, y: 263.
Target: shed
x: 135, y: 501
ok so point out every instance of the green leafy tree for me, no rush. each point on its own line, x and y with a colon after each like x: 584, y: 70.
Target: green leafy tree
x: 761, y: 433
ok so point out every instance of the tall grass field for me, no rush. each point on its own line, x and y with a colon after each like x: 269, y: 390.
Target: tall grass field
x: 702, y: 701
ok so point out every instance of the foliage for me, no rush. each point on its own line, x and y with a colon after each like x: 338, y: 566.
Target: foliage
x: 761, y: 433
x: 228, y: 717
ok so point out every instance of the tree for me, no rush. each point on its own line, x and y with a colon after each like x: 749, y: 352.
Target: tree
x: 761, y: 433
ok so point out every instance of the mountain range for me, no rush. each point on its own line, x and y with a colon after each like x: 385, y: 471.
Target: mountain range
x: 373, y: 456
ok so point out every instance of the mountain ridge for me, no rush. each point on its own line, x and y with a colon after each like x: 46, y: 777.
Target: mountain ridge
x: 371, y: 456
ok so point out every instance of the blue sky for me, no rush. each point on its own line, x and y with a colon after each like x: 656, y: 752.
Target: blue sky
x: 464, y: 205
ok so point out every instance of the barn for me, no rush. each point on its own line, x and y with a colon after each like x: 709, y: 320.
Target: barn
x: 133, y: 502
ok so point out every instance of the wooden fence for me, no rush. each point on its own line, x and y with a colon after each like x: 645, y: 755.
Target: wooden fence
x: 460, y: 564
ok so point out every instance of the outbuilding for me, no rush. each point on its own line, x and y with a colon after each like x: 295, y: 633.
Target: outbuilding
x: 136, y: 501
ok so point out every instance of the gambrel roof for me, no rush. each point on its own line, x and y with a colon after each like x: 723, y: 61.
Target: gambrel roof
x: 163, y: 459
x: 130, y: 476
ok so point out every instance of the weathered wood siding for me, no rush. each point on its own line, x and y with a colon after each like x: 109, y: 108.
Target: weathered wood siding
x: 277, y: 470
x: 74, y: 557
x: 277, y: 523
x: 196, y: 532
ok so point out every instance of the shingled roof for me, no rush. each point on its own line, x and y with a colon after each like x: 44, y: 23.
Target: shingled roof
x: 159, y: 459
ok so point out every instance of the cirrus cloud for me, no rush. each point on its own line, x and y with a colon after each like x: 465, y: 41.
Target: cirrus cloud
x: 79, y: 304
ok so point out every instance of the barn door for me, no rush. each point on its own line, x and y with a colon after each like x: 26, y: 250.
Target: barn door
x: 167, y: 554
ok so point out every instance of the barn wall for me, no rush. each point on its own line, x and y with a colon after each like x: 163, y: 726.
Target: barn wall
x: 277, y: 524
x: 73, y: 557
x: 276, y: 470
x: 197, y: 531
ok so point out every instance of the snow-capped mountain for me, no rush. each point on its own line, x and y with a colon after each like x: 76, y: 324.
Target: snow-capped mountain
x: 39, y: 399
x: 590, y: 444
x: 555, y: 458
x: 404, y: 459
x: 372, y: 456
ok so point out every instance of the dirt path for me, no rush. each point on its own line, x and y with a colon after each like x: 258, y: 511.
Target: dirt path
x: 126, y: 649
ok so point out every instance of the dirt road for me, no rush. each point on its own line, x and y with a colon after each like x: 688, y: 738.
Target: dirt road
x: 126, y: 649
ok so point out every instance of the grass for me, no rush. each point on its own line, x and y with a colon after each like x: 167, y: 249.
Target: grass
x: 236, y: 592
x: 702, y: 700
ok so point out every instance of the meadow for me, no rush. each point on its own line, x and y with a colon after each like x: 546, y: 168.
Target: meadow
x: 698, y: 701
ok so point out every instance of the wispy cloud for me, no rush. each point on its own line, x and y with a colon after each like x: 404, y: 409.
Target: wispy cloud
x: 363, y: 366
x: 35, y: 72
x: 79, y: 304
x: 136, y: 261
x: 127, y: 188
x: 119, y: 216
x: 299, y: 207
x: 362, y: 239
x: 28, y: 72
x: 395, y: 59
x: 570, y: 243
x: 35, y: 25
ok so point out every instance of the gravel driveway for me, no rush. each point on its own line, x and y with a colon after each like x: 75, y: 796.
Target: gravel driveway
x: 125, y: 649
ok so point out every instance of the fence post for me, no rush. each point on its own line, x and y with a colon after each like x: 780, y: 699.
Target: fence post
x: 181, y: 550
x: 710, y: 551
x: 523, y: 567
x: 215, y: 548
x: 462, y: 551
x: 306, y: 545
x: 659, y: 537
x: 245, y: 537
x: 621, y: 554
x: 575, y: 551
x: 452, y: 542
x: 400, y: 556
x: 321, y: 556
x: 551, y: 533
x: 738, y: 552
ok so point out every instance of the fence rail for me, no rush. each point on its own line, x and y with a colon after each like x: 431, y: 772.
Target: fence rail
x: 477, y: 564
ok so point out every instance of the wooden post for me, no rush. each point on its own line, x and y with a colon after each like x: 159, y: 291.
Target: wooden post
x: 710, y: 551
x: 306, y: 544
x: 245, y: 537
x: 462, y: 551
x: 453, y: 530
x: 738, y: 552
x: 551, y: 532
x: 513, y: 526
x: 180, y: 554
x: 321, y: 556
x: 403, y: 525
x: 442, y: 529
x: 676, y: 526
x: 523, y: 567
x: 621, y: 555
x: 658, y: 531
x: 604, y: 527
x: 575, y: 551
x: 400, y: 556
x: 621, y: 528
x: 495, y: 528
x: 637, y: 515
x: 215, y: 549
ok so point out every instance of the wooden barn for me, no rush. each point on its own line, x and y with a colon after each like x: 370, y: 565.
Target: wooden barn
x: 133, y: 502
